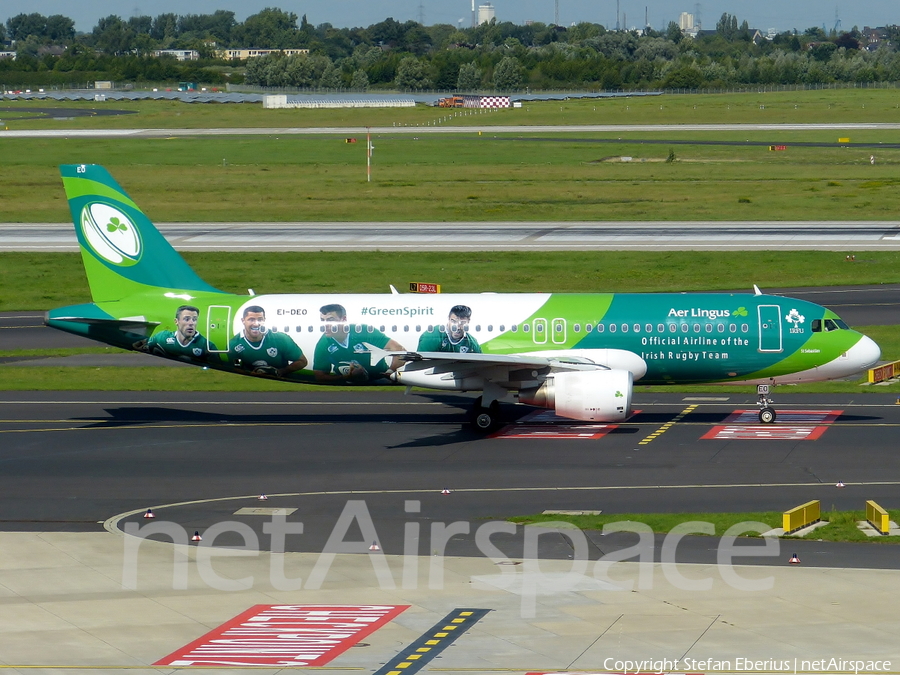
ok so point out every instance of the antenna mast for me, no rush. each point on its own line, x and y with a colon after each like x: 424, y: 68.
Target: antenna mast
x: 556, y: 14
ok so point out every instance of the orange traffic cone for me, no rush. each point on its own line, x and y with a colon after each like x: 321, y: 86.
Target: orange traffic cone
x: 795, y: 560
x: 374, y: 546
x: 149, y: 514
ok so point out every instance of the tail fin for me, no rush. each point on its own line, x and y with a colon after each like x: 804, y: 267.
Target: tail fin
x: 123, y: 253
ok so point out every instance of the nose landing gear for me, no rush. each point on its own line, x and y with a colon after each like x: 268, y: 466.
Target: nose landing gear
x: 767, y: 413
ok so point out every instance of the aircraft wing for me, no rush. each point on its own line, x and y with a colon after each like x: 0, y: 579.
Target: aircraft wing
x: 450, y: 361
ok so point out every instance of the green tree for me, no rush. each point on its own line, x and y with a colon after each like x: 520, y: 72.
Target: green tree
x: 469, y: 77
x: 113, y: 36
x: 727, y: 26
x: 359, y: 81
x: 60, y: 29
x: 269, y: 29
x: 508, y: 74
x: 21, y: 26
x: 331, y: 78
x: 165, y: 26
x: 412, y: 75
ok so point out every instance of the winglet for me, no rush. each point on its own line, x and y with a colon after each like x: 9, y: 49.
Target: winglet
x: 756, y: 290
x: 394, y: 291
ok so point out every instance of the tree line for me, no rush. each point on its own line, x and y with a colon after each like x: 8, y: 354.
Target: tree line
x: 409, y: 56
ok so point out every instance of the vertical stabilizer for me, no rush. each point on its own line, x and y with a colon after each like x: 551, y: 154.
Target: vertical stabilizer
x: 123, y: 253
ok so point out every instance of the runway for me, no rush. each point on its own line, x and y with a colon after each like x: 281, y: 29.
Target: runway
x: 462, y: 125
x: 494, y: 236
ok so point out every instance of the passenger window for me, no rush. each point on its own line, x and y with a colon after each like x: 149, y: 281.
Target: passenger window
x: 600, y: 327
x: 393, y: 329
x: 359, y: 328
x: 478, y: 328
x: 557, y: 328
x: 721, y: 328
x: 441, y: 328
x: 612, y: 328
x: 501, y: 328
x: 648, y: 328
x: 514, y: 328
x: 526, y: 328
x: 321, y: 329
x: 732, y: 328
x: 684, y: 328
x: 673, y: 327
x: 636, y: 327
x: 660, y: 328
x: 405, y: 329
x: 539, y: 328
x: 490, y: 328
x: 744, y: 328
x: 370, y: 329
x: 709, y: 328
x: 418, y: 329
x: 577, y: 327
x: 588, y: 327
x: 381, y: 328
x: 696, y: 327
x: 310, y: 329
x: 624, y: 327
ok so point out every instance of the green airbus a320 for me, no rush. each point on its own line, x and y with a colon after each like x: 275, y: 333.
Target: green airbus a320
x: 577, y: 354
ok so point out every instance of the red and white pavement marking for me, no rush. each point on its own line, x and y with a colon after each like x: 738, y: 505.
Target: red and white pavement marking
x: 284, y: 635
x: 791, y: 425
x: 546, y: 424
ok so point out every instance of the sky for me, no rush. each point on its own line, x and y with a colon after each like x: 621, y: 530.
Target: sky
x: 761, y: 14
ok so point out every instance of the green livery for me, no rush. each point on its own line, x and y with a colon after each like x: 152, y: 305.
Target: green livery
x: 578, y: 354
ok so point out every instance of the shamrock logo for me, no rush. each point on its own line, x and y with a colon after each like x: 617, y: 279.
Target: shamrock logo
x: 618, y: 394
x: 116, y: 225
x: 740, y: 311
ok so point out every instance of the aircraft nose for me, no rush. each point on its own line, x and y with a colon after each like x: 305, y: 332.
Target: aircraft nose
x: 865, y: 353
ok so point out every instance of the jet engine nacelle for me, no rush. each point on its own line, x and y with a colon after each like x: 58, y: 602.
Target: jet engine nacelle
x: 588, y: 395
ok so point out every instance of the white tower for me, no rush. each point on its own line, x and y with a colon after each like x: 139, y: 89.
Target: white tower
x: 486, y: 13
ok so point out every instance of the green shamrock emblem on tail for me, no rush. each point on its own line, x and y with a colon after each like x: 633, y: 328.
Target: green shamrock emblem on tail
x: 115, y: 225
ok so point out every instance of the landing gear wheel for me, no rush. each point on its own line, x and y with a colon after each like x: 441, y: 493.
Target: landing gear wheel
x: 767, y: 415
x: 485, y: 420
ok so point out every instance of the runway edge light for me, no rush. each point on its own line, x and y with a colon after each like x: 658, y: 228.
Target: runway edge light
x: 374, y: 546
x: 262, y: 498
x: 840, y: 484
x: 445, y: 491
x: 196, y: 536
x: 794, y: 559
x: 149, y: 514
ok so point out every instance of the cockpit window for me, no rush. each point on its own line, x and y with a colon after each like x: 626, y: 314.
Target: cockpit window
x: 831, y: 324
x: 817, y: 325
x: 841, y: 324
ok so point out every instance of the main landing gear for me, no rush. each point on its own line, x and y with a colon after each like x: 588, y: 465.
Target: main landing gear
x: 485, y: 420
x: 766, y: 411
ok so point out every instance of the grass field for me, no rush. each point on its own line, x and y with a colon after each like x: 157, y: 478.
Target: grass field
x: 40, y: 281
x: 841, y: 524
x: 817, y: 106
x: 486, y: 177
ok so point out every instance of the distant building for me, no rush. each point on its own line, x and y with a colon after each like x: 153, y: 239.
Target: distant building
x: 179, y: 54
x: 244, y: 54
x: 8, y: 55
x: 486, y: 13
x: 686, y: 22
